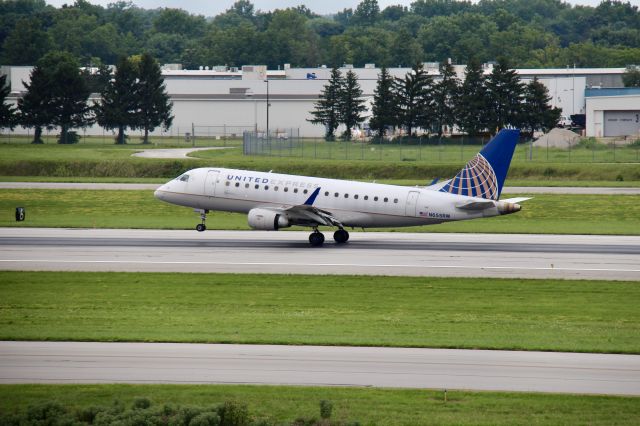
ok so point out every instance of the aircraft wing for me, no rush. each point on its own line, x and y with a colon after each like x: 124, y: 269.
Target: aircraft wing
x: 308, y: 215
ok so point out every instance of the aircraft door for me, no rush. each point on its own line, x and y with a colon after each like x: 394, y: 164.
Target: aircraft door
x: 210, y: 182
x: 412, y: 203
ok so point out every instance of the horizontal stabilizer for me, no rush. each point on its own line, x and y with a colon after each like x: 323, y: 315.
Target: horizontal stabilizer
x: 516, y: 200
x: 476, y: 205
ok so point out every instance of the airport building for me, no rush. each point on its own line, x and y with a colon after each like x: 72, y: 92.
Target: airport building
x: 225, y: 102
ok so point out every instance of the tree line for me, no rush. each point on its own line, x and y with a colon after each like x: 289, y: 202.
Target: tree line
x: 133, y: 96
x: 479, y: 104
x: 532, y: 33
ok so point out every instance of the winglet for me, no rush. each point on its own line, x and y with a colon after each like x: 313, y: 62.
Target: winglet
x: 312, y: 197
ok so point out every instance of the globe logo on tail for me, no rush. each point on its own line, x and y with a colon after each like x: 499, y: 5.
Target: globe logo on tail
x: 477, y: 179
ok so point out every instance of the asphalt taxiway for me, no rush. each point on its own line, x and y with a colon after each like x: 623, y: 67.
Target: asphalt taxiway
x: 367, y: 253
x: 86, y: 362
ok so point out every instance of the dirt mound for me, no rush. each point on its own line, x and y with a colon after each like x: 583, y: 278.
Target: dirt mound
x: 557, y: 138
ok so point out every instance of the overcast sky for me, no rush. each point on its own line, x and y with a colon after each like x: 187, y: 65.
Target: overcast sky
x: 214, y: 7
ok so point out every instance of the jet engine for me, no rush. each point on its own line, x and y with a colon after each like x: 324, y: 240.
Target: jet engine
x: 267, y: 220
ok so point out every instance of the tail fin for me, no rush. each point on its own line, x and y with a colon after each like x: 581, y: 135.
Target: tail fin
x: 484, y: 175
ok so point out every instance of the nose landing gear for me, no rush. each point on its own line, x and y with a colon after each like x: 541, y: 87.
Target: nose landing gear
x: 201, y: 227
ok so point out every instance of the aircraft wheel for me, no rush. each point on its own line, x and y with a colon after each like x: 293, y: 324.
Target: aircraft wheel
x: 201, y: 227
x: 316, y: 239
x: 341, y: 236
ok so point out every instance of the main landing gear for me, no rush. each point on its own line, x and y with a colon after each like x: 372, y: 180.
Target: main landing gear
x: 316, y: 239
x: 201, y: 227
x: 341, y: 236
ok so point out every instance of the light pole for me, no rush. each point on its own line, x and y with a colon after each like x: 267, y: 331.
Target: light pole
x: 268, y: 105
x: 249, y: 95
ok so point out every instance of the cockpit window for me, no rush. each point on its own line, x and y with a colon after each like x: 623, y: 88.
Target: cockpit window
x: 183, y: 178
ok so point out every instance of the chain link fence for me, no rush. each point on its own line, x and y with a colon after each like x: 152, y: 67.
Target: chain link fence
x: 444, y: 150
x: 191, y: 135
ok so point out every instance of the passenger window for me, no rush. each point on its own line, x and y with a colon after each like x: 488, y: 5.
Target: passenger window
x: 395, y: 200
x: 375, y: 198
x: 246, y: 185
x: 355, y: 196
x: 286, y: 189
x: 366, y: 197
x: 266, y: 187
x: 257, y: 187
x: 227, y: 183
x: 305, y: 191
x: 275, y: 188
x: 295, y: 190
x: 335, y: 195
x: 346, y: 195
x: 386, y: 199
x: 237, y: 184
x: 326, y: 193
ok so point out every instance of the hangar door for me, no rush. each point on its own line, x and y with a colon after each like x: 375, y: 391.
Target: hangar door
x: 621, y: 123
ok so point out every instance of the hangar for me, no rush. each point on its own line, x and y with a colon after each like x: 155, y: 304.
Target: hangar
x: 613, y: 112
x: 226, y: 101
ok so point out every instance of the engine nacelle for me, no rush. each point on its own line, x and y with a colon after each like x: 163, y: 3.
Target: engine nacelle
x: 267, y: 220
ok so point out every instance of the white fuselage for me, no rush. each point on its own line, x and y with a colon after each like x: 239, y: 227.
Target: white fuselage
x: 354, y: 204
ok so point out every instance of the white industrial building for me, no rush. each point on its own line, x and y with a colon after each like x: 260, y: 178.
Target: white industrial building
x: 224, y: 101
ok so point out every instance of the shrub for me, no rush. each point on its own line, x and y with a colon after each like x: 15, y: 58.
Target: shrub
x: 205, y: 419
x: 141, y: 403
x: 72, y: 138
x: 326, y: 407
x: 233, y: 414
x: 89, y: 414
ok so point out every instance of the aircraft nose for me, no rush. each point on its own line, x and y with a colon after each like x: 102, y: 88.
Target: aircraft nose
x: 159, y: 193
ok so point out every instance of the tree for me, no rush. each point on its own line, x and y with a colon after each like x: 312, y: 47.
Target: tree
x: 33, y: 106
x: 472, y: 104
x: 155, y: 105
x: 384, y: 104
x: 351, y: 103
x: 327, y: 108
x: 537, y: 114
x: 27, y: 43
x: 413, y: 97
x: 56, y: 96
x: 505, y: 93
x: 366, y: 13
x: 70, y: 93
x: 7, y: 118
x: 445, y: 93
x: 119, y: 107
x: 631, y: 76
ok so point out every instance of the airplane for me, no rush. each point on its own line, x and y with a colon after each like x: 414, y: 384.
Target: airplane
x: 274, y: 201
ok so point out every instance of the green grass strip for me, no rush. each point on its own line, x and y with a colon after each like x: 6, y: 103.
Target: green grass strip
x: 554, y: 315
x: 545, y: 214
x: 367, y: 406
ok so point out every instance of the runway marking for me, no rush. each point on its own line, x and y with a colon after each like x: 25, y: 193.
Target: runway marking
x: 363, y: 265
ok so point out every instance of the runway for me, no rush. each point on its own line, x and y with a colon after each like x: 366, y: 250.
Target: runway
x: 154, y: 186
x: 371, y: 253
x: 82, y: 362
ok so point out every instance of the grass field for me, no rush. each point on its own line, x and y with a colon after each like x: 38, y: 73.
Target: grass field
x: 95, y: 159
x: 556, y: 315
x: 368, y: 406
x: 556, y: 214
